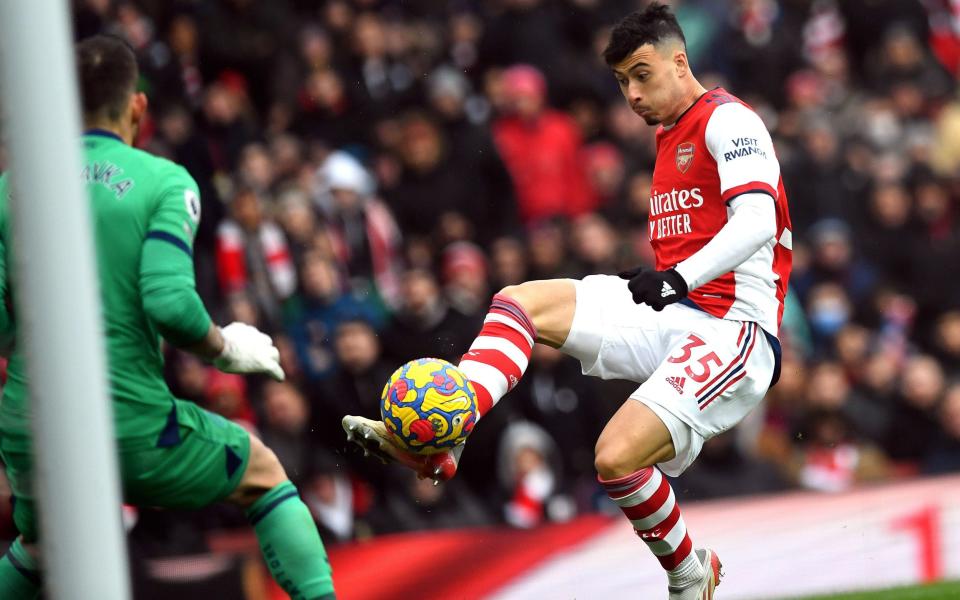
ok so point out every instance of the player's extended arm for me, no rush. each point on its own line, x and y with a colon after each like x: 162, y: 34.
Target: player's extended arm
x: 6, y: 318
x: 170, y: 299
x: 751, y: 225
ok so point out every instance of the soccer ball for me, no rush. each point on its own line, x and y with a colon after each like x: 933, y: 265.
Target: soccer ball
x: 428, y: 406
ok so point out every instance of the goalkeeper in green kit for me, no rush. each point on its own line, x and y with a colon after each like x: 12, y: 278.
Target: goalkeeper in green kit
x: 172, y: 453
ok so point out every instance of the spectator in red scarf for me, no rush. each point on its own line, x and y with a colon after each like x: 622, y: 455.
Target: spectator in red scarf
x: 253, y: 257
x: 364, y: 236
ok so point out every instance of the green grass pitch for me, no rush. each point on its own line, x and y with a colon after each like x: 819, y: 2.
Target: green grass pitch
x: 936, y: 591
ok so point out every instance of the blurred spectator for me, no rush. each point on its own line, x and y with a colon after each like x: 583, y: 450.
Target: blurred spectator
x: 944, y: 453
x: 285, y: 424
x: 868, y: 417
x: 541, y: 148
x: 830, y: 309
x: 414, y: 504
x: 947, y: 342
x: 529, y: 474
x: 335, y: 501
x: 888, y: 231
x: 605, y: 171
x: 903, y: 59
x: 364, y: 236
x: 761, y: 36
x: 430, y: 192
x: 379, y: 76
x: 548, y: 252
x: 595, y: 244
x: 253, y: 257
x: 834, y: 260
x: 464, y: 272
x: 187, y: 376
x: 532, y: 32
x: 226, y: 395
x: 324, y: 110
x: 508, y: 262
x: 816, y: 178
x: 554, y: 395
x: 472, y: 151
x: 227, y: 121
x: 723, y: 470
x: 914, y: 425
x: 425, y: 325
x: 355, y: 387
x: 248, y: 37
x: 312, y: 316
x: 833, y: 459
x: 299, y: 221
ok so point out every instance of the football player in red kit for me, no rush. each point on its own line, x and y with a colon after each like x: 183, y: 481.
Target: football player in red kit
x: 699, y: 331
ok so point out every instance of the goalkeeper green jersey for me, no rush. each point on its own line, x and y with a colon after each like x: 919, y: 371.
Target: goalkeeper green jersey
x: 145, y: 212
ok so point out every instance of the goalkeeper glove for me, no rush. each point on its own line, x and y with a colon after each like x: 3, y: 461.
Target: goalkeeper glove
x: 247, y: 350
x: 655, y: 288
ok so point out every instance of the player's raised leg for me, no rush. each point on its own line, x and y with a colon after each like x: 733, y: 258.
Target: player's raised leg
x: 536, y: 311
x: 285, y: 529
x: 519, y: 316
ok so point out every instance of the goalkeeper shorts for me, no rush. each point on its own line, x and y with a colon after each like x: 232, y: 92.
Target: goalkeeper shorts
x: 204, y: 465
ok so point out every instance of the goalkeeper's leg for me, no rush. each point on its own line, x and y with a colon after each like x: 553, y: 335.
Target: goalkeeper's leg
x: 19, y: 573
x: 285, y: 529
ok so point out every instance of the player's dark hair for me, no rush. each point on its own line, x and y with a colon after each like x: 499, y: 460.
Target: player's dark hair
x: 651, y: 25
x: 107, y: 73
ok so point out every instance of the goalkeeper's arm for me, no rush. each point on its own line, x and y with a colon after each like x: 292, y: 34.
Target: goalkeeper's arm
x: 169, y: 295
x: 6, y: 305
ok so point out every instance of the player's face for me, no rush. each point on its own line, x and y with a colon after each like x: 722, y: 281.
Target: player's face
x: 649, y: 80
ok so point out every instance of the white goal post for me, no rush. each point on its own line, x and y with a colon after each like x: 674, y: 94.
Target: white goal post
x: 59, y: 321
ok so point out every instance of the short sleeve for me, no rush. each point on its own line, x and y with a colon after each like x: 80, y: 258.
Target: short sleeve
x: 177, y: 214
x: 741, y: 146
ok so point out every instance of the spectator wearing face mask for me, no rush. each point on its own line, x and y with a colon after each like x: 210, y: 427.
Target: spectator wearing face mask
x: 833, y: 259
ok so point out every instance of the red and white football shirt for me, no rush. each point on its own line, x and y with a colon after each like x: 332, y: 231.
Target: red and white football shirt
x: 720, y: 149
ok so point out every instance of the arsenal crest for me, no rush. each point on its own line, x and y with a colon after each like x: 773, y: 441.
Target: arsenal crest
x: 685, y: 156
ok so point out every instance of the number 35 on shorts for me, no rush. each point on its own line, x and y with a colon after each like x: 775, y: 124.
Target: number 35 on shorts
x: 711, y: 371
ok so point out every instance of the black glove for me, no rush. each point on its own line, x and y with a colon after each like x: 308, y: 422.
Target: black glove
x: 655, y: 288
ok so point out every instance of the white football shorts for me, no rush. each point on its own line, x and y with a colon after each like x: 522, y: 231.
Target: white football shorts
x: 700, y: 374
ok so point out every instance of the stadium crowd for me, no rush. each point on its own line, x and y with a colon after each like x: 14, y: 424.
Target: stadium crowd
x: 373, y: 170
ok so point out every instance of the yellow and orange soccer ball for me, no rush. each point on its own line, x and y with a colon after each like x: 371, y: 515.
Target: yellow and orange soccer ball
x: 428, y: 406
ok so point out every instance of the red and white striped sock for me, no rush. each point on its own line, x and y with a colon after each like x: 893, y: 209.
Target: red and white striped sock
x: 500, y: 354
x: 647, y: 499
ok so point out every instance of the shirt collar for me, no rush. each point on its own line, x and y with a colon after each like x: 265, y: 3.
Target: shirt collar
x: 103, y: 133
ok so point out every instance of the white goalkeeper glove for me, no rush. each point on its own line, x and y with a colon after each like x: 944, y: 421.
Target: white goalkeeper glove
x: 248, y: 350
